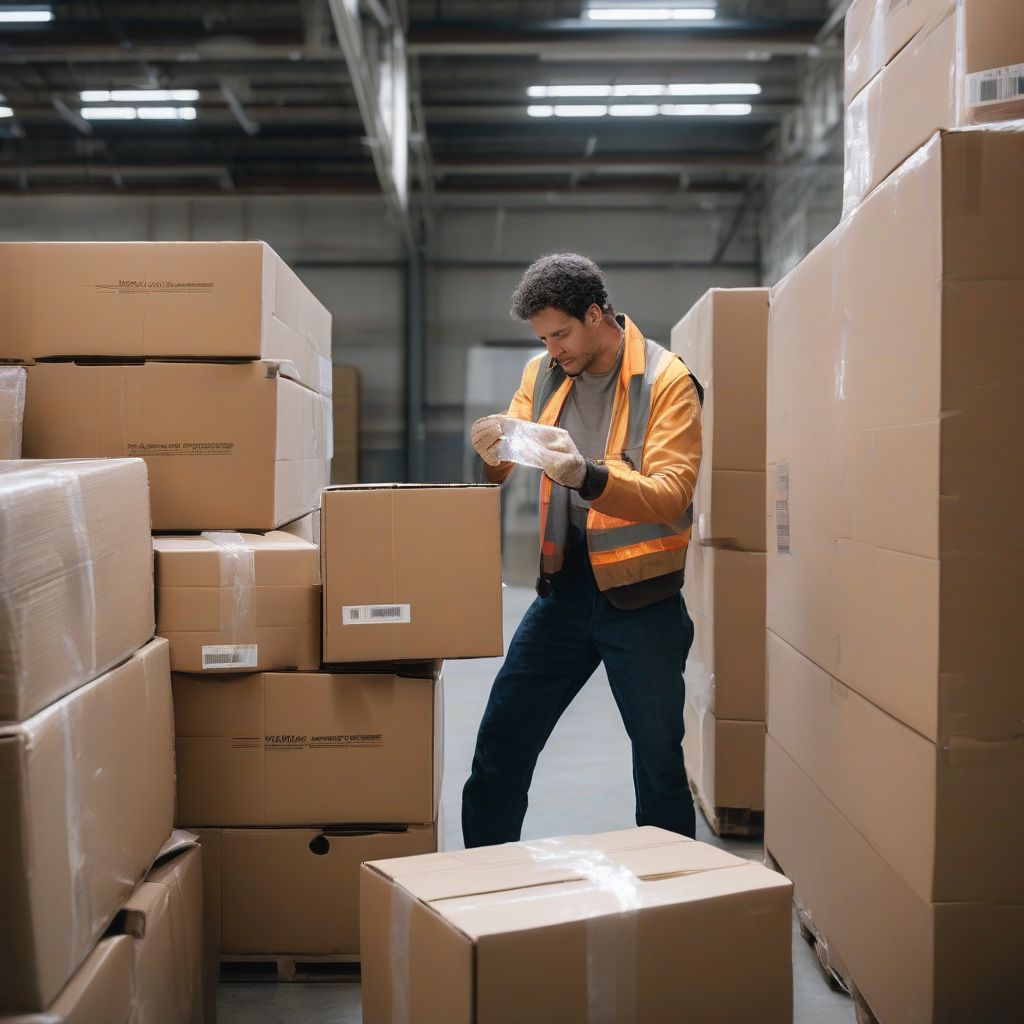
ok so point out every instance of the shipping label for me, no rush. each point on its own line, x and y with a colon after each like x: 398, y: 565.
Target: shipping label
x: 230, y: 656
x: 998, y: 85
x: 375, y: 614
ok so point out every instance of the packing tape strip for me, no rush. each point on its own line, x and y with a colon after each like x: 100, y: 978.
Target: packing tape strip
x: 237, y: 578
x: 12, y: 406
x: 401, y: 916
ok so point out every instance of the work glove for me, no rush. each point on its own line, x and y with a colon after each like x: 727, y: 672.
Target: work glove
x: 485, y: 435
x: 563, y: 463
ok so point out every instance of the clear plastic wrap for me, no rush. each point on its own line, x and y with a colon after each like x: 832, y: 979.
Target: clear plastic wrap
x: 12, y: 410
x: 237, y: 579
x: 526, y: 443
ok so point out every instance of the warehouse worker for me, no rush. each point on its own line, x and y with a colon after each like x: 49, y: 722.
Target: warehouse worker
x: 615, y: 506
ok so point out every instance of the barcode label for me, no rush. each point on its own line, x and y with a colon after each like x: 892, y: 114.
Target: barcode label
x: 229, y: 656
x: 375, y: 614
x: 999, y: 85
x: 782, y: 508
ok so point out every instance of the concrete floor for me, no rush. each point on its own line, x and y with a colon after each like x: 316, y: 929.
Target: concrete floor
x: 583, y: 784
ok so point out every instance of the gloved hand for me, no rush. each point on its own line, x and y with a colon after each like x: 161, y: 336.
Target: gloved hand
x: 563, y: 462
x: 485, y: 435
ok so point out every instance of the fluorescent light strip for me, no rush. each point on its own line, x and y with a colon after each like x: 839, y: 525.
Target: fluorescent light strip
x: 139, y: 95
x: 27, y: 16
x: 672, y: 89
x: 651, y: 13
x: 6, y: 112
x: 641, y: 110
x: 139, y: 113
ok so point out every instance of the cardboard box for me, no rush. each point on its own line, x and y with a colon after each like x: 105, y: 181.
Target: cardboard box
x: 894, y: 560
x: 540, y: 931
x: 102, y: 990
x: 723, y: 341
x: 230, y: 446
x: 232, y: 601
x: 411, y: 571
x: 912, y: 961
x: 165, y: 917
x: 309, y: 748
x: 76, y: 576
x: 966, y: 69
x: 725, y: 596
x: 307, y: 881
x: 724, y: 759
x: 876, y: 30
x: 161, y: 300
x: 12, y: 410
x: 345, y: 461
x: 86, y: 803
x: 918, y: 804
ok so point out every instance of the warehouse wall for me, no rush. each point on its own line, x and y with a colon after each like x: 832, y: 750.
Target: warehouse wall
x: 350, y: 254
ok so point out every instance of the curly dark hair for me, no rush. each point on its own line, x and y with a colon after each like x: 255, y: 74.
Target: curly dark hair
x: 561, y: 280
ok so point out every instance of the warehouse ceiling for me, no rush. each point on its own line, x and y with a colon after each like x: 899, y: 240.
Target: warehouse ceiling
x: 259, y: 96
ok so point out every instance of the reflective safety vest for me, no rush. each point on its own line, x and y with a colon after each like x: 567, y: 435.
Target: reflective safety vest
x: 621, y: 551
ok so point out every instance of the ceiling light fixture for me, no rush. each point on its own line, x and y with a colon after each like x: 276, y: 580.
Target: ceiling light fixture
x: 108, y: 113
x: 139, y: 95
x: 581, y: 110
x: 34, y: 14
x: 600, y: 11
x: 166, y: 113
x: 6, y: 112
x: 706, y: 109
x: 540, y: 110
x: 633, y: 110
x: 653, y: 89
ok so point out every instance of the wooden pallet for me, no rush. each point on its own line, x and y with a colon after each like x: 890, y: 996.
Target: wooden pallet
x: 835, y: 971
x: 730, y: 821
x: 290, y: 968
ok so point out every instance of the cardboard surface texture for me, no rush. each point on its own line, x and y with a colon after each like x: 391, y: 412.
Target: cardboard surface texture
x: 723, y: 340
x: 918, y: 804
x: 345, y: 461
x: 724, y: 759
x: 12, y: 410
x: 725, y: 597
x: 895, y: 560
x: 307, y: 881
x: 152, y: 300
x: 239, y: 601
x: 965, y: 69
x: 76, y: 576
x: 614, y: 926
x: 913, y: 961
x: 411, y: 572
x: 86, y: 802
x: 229, y: 446
x: 309, y: 748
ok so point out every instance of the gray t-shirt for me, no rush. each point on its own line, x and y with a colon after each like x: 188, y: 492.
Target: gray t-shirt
x: 587, y: 416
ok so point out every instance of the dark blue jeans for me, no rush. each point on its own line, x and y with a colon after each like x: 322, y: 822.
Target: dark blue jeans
x: 560, y: 642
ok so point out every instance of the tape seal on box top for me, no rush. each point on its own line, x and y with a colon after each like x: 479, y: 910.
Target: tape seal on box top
x: 237, y: 578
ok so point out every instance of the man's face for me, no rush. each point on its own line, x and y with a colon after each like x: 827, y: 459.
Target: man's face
x: 573, y: 344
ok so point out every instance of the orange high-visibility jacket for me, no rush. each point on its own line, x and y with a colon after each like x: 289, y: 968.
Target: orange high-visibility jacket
x: 639, y: 527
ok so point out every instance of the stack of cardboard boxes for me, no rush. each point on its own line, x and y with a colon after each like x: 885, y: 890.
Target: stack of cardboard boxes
x: 723, y: 341
x: 87, y: 759
x: 895, y: 759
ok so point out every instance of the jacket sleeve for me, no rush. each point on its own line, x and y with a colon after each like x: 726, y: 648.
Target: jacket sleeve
x: 520, y: 408
x: 672, y: 454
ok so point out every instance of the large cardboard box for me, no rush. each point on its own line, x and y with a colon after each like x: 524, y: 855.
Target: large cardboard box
x: 229, y: 601
x: 165, y: 917
x: 86, y: 802
x: 966, y: 69
x: 895, y: 559
x: 76, y: 576
x: 345, y: 461
x: 917, y: 803
x: 102, y: 990
x: 230, y: 446
x: 12, y: 410
x: 411, y: 571
x: 724, y: 760
x: 309, y: 748
x: 725, y: 596
x: 153, y: 300
x: 876, y: 30
x: 307, y: 881
x: 611, y: 927
x: 913, y: 961
x: 723, y: 340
